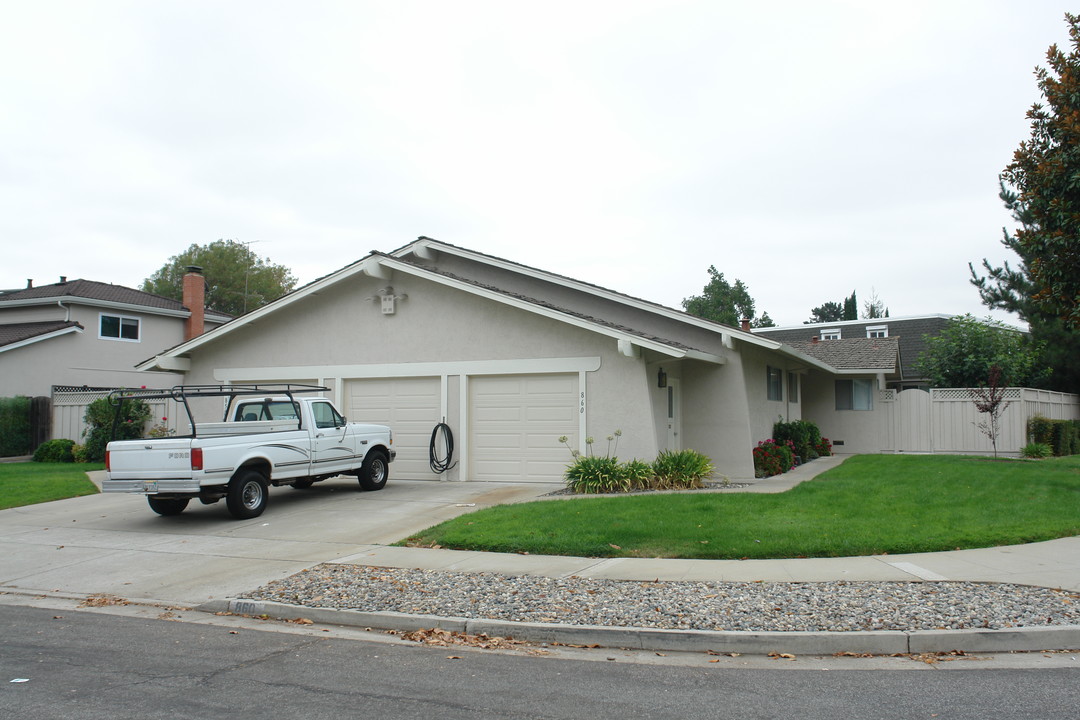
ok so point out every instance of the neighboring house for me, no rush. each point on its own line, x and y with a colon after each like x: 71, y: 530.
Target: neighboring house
x: 909, y: 331
x: 512, y: 358
x: 87, y: 333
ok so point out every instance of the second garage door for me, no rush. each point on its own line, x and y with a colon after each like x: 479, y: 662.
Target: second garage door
x: 412, y: 409
x: 515, y: 424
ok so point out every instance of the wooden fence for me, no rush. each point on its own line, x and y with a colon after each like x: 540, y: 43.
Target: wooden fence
x: 945, y: 420
x: 69, y: 407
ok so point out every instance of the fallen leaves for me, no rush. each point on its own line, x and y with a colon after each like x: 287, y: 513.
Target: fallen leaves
x: 103, y: 600
x: 444, y: 638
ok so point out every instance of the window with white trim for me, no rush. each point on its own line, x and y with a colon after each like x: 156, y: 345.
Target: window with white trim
x: 118, y: 327
x: 877, y: 331
x: 855, y: 394
x: 775, y: 383
x: 833, y: 334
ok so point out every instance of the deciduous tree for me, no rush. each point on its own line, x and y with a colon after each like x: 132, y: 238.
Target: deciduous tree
x: 725, y: 303
x: 237, y: 280
x: 965, y: 351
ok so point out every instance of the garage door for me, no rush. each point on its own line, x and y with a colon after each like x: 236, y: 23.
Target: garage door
x: 515, y: 424
x: 410, y: 406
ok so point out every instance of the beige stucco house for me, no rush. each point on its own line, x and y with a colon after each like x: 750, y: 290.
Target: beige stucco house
x: 511, y: 358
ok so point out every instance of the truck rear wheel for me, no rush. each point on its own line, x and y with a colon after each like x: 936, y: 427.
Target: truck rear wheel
x: 247, y: 495
x: 375, y: 471
x: 167, y: 506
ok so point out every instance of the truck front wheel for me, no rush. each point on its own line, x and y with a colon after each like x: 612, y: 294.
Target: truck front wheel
x: 247, y: 495
x: 375, y: 471
x: 167, y: 506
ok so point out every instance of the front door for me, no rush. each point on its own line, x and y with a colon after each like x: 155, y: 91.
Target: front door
x: 674, y: 415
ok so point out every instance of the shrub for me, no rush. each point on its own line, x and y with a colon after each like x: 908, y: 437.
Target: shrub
x: 99, y: 419
x: 55, y: 451
x: 639, y: 474
x: 1036, y: 450
x: 14, y: 426
x: 682, y: 469
x: 595, y: 474
x: 773, y: 458
x: 1063, y: 437
x: 803, y: 435
x: 1039, y: 429
x: 823, y: 447
x: 79, y: 453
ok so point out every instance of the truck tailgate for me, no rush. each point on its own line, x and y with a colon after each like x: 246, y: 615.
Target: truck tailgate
x: 150, y: 459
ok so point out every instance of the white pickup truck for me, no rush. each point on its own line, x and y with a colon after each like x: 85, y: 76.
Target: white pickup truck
x: 268, y: 437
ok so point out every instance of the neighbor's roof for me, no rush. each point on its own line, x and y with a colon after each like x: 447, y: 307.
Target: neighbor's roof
x: 99, y: 292
x: 869, y: 354
x: 92, y: 290
x: 13, y: 333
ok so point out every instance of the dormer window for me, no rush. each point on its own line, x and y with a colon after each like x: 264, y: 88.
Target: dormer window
x: 877, y: 331
x: 833, y: 334
x: 118, y: 327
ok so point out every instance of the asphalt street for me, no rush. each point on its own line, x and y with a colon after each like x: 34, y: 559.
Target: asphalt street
x: 86, y: 664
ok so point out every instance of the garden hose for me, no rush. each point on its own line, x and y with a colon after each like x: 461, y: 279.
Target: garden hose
x: 436, y: 464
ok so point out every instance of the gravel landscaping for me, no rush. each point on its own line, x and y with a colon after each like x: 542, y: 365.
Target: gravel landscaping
x: 776, y: 606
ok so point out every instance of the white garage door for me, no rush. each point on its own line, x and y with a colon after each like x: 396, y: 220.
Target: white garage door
x: 412, y: 409
x: 516, y: 422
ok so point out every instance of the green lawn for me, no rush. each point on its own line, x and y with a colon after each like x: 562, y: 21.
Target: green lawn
x: 870, y: 504
x: 27, y: 483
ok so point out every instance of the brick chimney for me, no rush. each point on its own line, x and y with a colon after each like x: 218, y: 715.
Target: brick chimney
x: 745, y: 322
x: 195, y: 301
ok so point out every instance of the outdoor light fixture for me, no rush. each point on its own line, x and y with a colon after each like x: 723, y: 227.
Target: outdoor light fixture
x: 661, y: 378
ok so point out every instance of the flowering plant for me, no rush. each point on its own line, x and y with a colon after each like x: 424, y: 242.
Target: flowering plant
x: 160, y: 430
x: 772, y: 457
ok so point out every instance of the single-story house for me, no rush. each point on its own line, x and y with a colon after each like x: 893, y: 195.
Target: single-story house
x: 512, y: 358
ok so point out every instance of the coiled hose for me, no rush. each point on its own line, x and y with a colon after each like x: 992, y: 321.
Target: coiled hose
x: 436, y: 464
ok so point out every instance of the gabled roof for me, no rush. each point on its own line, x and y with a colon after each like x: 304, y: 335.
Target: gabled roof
x: 855, y: 354
x: 423, y: 244
x: 91, y: 292
x: 13, y: 335
x: 377, y: 264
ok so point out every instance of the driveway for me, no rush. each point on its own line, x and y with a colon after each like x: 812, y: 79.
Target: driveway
x: 115, y: 544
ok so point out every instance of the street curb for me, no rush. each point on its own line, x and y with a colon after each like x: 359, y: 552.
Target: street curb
x: 878, y: 642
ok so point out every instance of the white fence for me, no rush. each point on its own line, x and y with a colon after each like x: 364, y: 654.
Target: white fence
x: 69, y: 408
x: 945, y: 420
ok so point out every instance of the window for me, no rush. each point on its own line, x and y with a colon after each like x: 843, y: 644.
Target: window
x: 877, y: 331
x: 326, y: 416
x: 855, y: 394
x: 118, y: 327
x: 793, y: 387
x: 775, y: 383
x: 833, y: 334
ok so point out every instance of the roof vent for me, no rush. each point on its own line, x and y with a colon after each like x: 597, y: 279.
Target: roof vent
x: 63, y: 279
x: 29, y: 283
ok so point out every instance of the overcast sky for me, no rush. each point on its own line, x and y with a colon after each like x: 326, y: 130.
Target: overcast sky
x: 807, y: 148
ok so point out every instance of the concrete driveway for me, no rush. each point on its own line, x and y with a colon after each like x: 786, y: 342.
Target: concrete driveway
x: 115, y: 544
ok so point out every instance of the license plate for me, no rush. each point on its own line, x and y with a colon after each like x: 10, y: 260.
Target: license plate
x: 150, y: 486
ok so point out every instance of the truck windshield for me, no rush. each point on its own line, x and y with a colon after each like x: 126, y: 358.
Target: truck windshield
x: 266, y: 410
